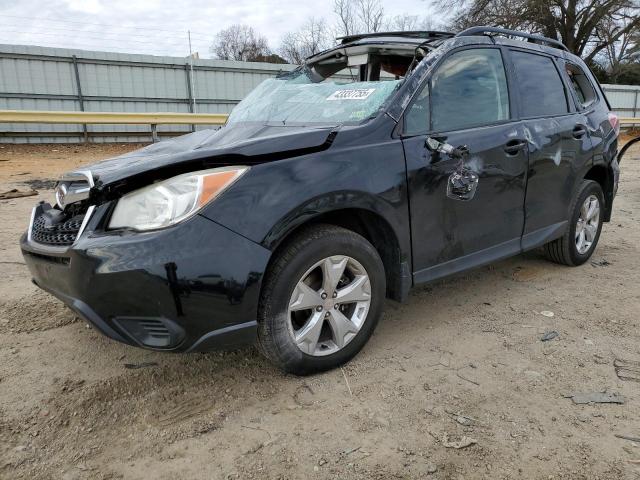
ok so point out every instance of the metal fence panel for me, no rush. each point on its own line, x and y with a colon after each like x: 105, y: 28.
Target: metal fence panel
x: 41, y: 78
x: 624, y: 99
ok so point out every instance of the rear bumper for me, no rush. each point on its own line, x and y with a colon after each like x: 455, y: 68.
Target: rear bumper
x: 192, y: 287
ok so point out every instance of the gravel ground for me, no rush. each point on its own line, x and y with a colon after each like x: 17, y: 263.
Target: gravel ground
x: 460, y: 364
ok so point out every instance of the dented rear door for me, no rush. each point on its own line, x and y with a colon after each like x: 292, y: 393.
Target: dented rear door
x: 558, y: 142
x: 556, y: 158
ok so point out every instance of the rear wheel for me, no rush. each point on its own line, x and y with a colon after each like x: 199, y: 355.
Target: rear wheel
x: 582, y: 234
x: 321, y: 300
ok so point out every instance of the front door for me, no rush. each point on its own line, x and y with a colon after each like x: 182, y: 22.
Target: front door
x: 465, y: 103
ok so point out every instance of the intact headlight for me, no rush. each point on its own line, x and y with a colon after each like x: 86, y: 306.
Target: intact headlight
x: 168, y: 202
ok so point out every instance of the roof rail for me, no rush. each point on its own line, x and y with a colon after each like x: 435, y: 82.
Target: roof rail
x: 478, y: 31
x: 419, y: 34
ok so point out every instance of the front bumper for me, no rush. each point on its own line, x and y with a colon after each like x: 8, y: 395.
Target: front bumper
x: 191, y: 287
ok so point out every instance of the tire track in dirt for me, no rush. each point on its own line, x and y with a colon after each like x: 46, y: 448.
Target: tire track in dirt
x: 36, y: 312
x: 146, y: 409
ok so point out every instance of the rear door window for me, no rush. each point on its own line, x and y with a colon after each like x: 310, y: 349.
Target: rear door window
x: 539, y: 84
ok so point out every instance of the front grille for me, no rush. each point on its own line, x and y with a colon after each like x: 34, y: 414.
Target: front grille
x: 60, y: 234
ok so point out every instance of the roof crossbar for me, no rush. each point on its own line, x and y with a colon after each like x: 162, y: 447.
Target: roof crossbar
x: 478, y: 31
x: 419, y: 34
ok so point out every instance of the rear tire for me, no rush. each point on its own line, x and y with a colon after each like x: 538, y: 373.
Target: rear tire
x: 579, y: 241
x: 305, y: 324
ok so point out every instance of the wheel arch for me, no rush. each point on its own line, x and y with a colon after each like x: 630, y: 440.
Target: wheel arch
x: 604, y: 176
x: 367, y: 218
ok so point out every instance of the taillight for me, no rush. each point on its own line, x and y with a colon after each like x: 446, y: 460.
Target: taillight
x: 615, y: 123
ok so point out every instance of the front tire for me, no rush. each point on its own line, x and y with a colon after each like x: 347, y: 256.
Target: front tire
x: 321, y: 300
x: 579, y: 241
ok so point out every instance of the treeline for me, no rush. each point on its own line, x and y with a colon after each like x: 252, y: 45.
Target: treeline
x: 606, y: 33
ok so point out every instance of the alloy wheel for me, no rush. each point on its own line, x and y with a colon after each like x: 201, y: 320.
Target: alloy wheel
x: 588, y: 223
x: 329, y: 305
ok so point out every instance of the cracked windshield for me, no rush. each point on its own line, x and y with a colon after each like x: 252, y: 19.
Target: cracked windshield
x: 294, y: 99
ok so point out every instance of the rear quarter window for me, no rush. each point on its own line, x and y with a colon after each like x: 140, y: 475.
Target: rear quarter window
x: 539, y: 85
x: 581, y: 85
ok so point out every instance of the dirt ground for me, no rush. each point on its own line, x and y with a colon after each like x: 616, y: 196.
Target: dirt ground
x: 461, y: 361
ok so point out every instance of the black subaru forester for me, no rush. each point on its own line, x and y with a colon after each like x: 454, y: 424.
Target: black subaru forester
x: 390, y: 160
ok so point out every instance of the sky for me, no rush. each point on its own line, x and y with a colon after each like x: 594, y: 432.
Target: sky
x: 159, y: 27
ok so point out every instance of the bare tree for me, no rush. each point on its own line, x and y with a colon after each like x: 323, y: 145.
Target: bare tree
x: 371, y: 15
x: 358, y: 16
x: 240, y: 42
x: 346, y: 17
x: 311, y: 38
x: 405, y: 22
x: 290, y: 48
x: 621, y: 52
x: 575, y: 22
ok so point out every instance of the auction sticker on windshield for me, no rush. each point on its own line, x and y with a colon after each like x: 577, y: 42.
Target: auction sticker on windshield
x: 351, y: 94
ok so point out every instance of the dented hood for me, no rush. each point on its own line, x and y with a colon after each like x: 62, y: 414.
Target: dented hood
x: 244, y: 144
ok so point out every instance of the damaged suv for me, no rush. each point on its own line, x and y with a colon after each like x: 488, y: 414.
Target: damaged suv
x: 390, y: 160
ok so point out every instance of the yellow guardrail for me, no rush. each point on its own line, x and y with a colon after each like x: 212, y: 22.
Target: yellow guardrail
x: 153, y: 119
x: 161, y: 118
x: 113, y: 118
x: 158, y: 118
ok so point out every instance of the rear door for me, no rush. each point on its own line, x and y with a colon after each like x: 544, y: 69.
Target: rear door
x: 466, y: 102
x: 590, y: 100
x: 559, y: 144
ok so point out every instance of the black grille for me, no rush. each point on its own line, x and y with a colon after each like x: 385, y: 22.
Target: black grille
x: 156, y: 329
x: 48, y: 258
x: 151, y: 332
x: 60, y: 234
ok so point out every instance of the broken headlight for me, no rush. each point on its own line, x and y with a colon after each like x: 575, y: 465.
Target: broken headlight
x: 170, y: 201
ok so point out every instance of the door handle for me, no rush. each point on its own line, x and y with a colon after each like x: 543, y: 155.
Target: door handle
x: 512, y: 147
x: 579, y: 131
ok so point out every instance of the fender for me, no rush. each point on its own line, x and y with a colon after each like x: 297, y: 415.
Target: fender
x: 273, y: 198
x: 358, y: 210
x: 335, y: 202
x: 606, y: 174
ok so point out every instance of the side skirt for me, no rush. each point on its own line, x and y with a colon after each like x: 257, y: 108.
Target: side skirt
x: 539, y: 237
x: 501, y: 251
x: 476, y: 259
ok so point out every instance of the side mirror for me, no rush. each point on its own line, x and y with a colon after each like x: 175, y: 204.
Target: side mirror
x: 432, y: 144
x: 435, y: 145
